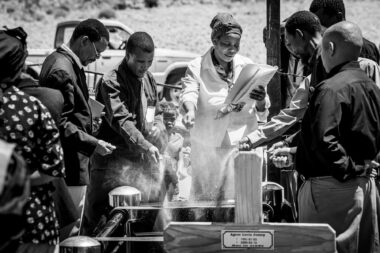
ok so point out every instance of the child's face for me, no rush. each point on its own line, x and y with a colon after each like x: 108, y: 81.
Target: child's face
x: 174, y: 95
x: 169, y: 119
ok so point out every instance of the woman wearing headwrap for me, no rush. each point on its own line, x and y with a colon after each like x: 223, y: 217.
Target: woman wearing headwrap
x: 27, y: 123
x: 208, y: 80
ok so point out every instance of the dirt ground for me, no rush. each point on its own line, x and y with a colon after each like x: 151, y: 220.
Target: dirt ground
x: 186, y: 27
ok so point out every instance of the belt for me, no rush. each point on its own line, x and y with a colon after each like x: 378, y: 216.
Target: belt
x: 321, y: 177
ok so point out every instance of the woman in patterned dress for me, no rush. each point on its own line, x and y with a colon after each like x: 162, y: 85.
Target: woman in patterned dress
x: 27, y: 123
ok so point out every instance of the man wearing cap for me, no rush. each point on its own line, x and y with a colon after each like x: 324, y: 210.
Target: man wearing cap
x: 206, y: 84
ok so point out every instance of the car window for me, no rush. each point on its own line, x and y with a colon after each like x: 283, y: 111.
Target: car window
x: 63, y: 35
x: 67, y: 34
x: 118, y: 37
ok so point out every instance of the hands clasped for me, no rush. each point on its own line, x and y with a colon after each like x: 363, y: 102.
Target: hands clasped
x: 281, y: 155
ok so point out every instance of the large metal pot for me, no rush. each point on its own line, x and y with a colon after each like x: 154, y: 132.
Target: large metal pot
x: 80, y: 244
x: 124, y: 196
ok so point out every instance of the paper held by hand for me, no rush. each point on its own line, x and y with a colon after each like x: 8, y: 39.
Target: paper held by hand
x: 96, y: 107
x: 250, y: 77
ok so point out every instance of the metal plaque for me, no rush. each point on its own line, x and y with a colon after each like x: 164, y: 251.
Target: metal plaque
x: 241, y: 239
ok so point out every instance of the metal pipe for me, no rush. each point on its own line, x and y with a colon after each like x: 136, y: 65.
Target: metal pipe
x: 169, y: 86
x: 290, y: 74
x: 118, y: 216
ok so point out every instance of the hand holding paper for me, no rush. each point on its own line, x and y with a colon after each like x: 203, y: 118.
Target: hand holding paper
x: 250, y: 84
x: 258, y: 93
x: 251, y: 76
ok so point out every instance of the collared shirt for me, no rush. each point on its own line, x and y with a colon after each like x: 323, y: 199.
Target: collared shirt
x: 341, y: 127
x: 121, y: 93
x: 203, y: 87
x: 296, y: 68
x: 73, y: 55
x: 287, y: 117
x: 227, y: 74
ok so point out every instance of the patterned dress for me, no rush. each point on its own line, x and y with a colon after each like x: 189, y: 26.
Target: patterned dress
x: 26, y: 122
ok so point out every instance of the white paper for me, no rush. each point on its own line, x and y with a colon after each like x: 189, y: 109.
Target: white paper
x: 96, y: 108
x: 250, y: 77
x: 184, y: 187
x: 6, y: 150
x: 150, y: 112
x: 235, y: 135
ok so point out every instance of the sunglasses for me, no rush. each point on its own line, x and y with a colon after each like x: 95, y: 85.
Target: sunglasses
x: 96, y: 51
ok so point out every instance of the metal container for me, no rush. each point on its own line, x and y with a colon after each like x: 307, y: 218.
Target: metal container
x: 80, y: 244
x: 273, y: 193
x: 125, y: 196
x: 273, y: 197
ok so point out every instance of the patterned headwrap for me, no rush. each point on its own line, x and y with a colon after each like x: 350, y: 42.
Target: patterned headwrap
x: 13, y: 52
x: 224, y: 23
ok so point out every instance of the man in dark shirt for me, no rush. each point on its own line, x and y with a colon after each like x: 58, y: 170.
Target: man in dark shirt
x: 303, y: 38
x: 333, y: 11
x: 130, y: 98
x: 339, y: 137
x: 63, y: 70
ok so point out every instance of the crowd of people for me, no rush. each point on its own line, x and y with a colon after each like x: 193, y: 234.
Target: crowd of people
x: 56, y: 171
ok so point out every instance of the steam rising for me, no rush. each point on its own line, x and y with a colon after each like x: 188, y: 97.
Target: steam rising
x: 146, y: 177
x: 213, y: 172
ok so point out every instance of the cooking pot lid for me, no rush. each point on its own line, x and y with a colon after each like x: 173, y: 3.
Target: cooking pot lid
x: 271, y: 186
x: 79, y: 242
x: 124, y: 191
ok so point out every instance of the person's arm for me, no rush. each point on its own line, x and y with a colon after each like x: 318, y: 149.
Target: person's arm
x: 119, y: 117
x: 49, y: 154
x: 280, y: 123
x: 262, y: 111
x: 371, y: 68
x: 158, y: 117
x: 79, y: 140
x: 189, y: 96
x: 262, y: 102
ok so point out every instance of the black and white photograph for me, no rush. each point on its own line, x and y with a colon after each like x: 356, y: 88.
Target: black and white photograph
x: 198, y: 126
